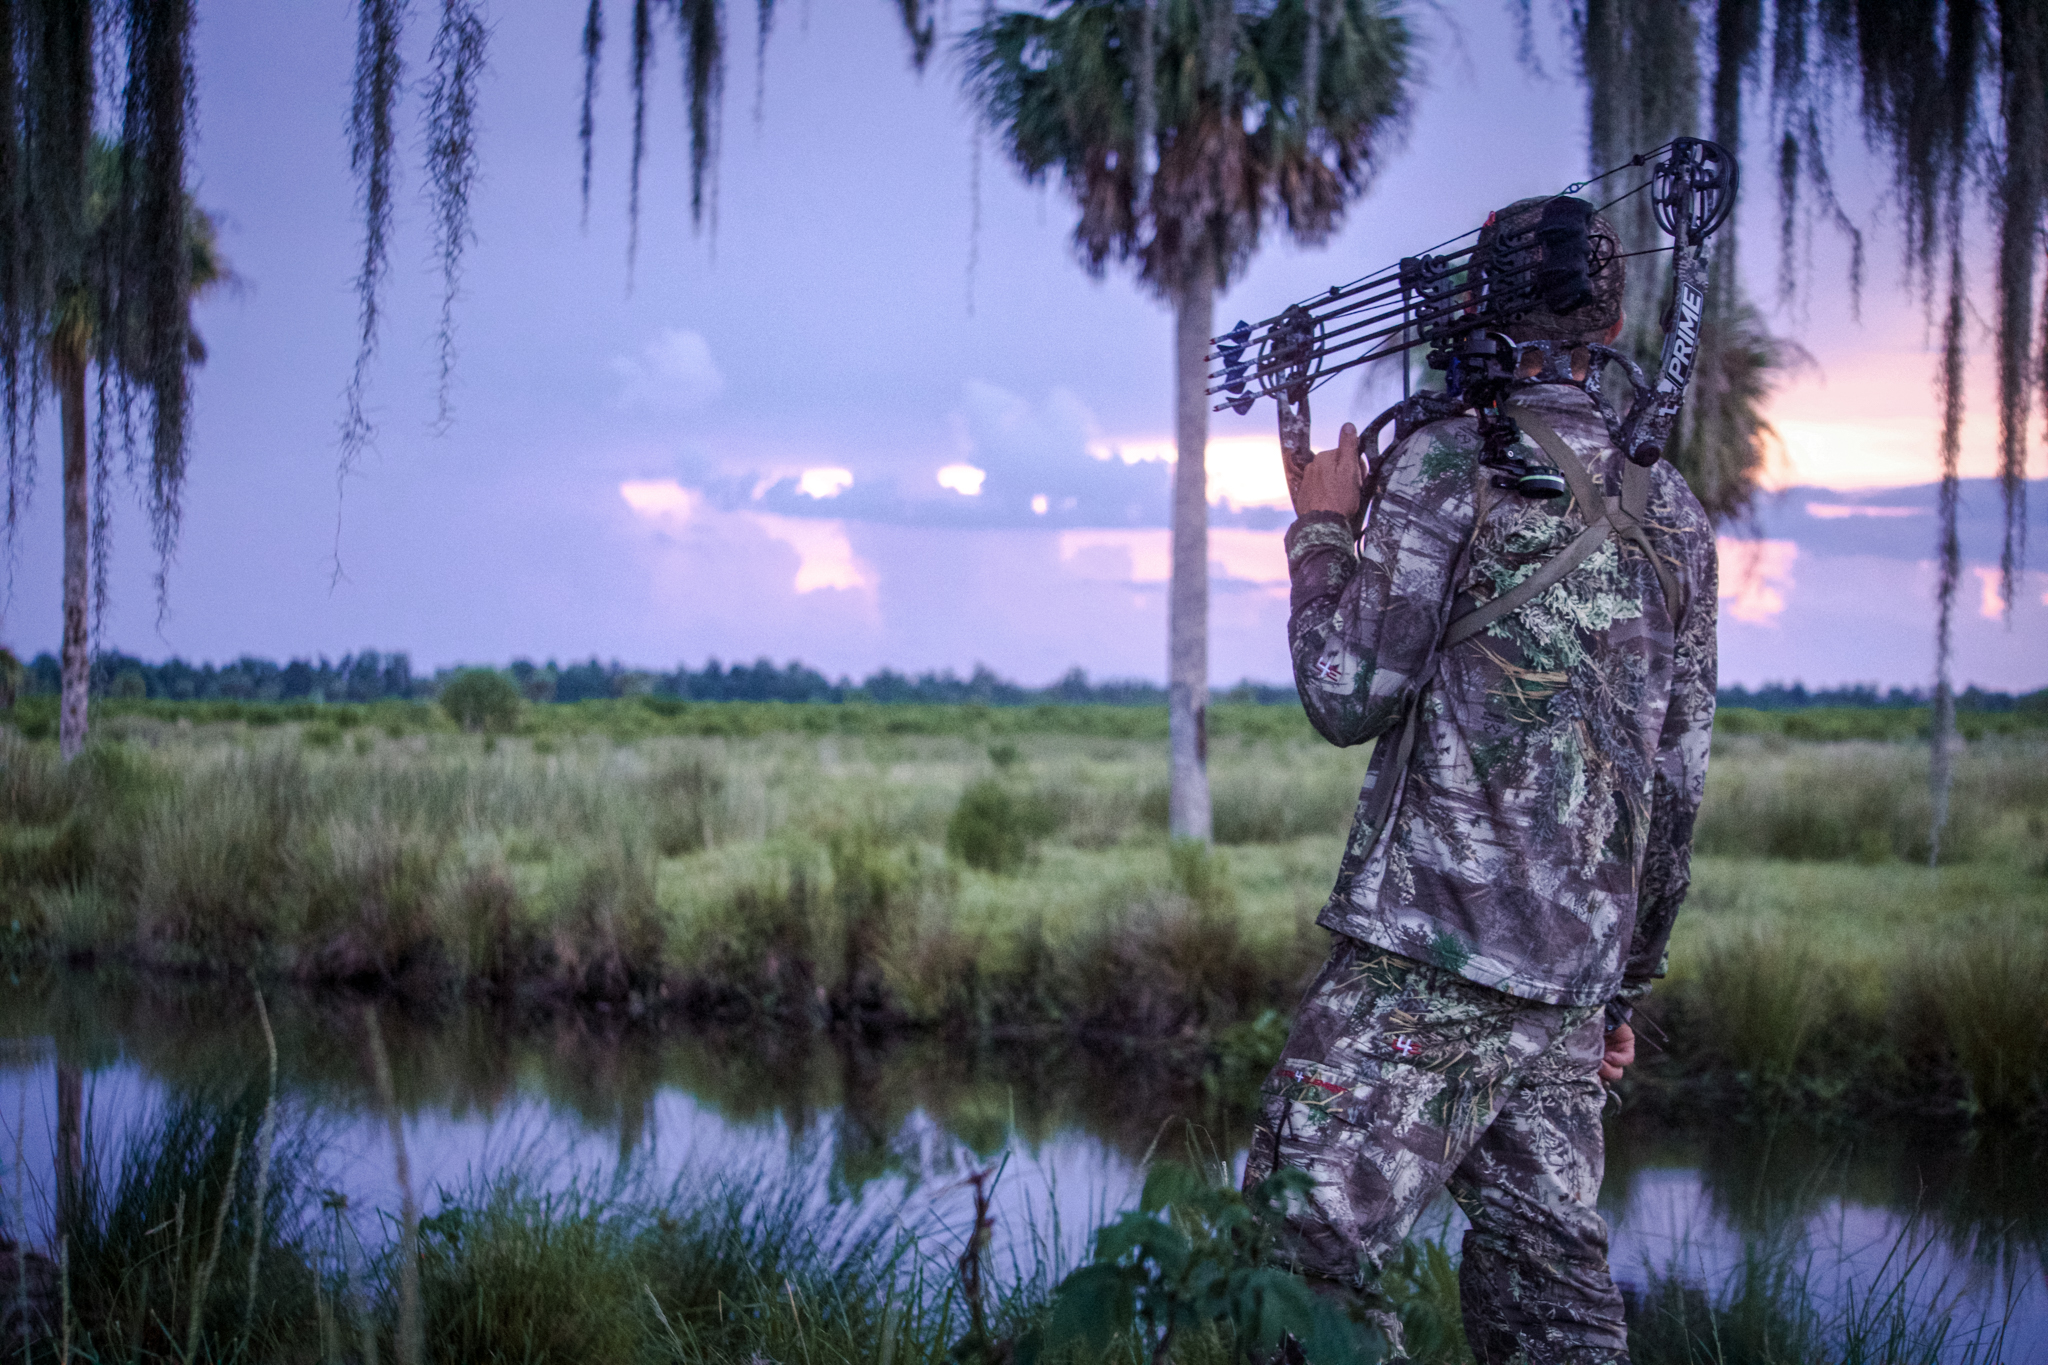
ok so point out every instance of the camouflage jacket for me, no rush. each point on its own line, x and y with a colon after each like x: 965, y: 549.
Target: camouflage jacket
x: 1541, y: 840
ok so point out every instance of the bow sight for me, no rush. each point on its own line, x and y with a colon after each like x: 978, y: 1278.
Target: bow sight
x: 1463, y: 302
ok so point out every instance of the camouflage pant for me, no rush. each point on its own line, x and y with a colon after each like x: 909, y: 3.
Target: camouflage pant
x: 1400, y: 1079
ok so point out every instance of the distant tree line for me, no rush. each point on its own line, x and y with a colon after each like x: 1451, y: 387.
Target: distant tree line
x: 1798, y: 697
x: 375, y: 676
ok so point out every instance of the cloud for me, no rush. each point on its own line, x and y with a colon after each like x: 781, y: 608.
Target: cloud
x: 661, y: 499
x: 825, y: 557
x: 819, y: 484
x: 1991, y: 594
x: 1146, y: 556
x: 1243, y: 471
x: 1043, y: 464
x: 673, y: 373
x: 1117, y: 556
x: 1015, y: 463
x: 1756, y: 575
x: 1249, y: 556
x: 1892, y: 523
x: 963, y: 479
x: 1835, y: 511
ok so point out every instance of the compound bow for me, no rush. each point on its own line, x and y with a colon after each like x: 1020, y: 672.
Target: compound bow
x: 1461, y: 302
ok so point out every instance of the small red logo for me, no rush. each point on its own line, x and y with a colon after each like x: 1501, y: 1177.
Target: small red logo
x: 1317, y: 1082
x: 1405, y: 1047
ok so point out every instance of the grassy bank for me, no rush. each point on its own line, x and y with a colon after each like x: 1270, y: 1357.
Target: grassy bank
x: 207, y: 1237
x: 1002, y: 882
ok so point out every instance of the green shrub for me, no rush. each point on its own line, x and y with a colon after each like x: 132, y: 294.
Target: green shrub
x: 482, y: 699
x: 994, y: 827
x: 1195, y: 1257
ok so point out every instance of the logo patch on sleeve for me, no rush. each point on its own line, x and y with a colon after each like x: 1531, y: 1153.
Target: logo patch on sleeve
x: 1336, y: 668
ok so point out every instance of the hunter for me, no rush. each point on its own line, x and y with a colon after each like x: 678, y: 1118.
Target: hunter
x: 1502, y: 906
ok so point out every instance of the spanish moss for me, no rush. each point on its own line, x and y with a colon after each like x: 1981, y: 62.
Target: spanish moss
x: 643, y: 59
x: 764, y: 28
x: 159, y: 101
x: 703, y: 38
x: 1145, y: 130
x: 701, y: 35
x: 105, y: 420
x: 920, y: 27
x: 380, y: 25
x: 2023, y: 60
x: 54, y: 331
x: 15, y: 378
x: 1642, y: 64
x: 1950, y: 389
x: 1642, y: 70
x: 1954, y: 95
x: 458, y: 61
x: 586, y: 128
x: 1926, y: 69
x: 101, y: 254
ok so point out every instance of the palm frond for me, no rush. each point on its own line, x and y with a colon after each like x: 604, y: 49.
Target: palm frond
x: 1237, y: 137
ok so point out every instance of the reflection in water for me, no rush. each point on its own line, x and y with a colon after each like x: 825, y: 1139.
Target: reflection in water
x: 890, y: 1132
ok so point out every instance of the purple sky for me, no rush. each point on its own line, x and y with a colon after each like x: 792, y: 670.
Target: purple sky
x: 795, y: 438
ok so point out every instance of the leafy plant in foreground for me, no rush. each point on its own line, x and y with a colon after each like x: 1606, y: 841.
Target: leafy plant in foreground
x: 1195, y: 1257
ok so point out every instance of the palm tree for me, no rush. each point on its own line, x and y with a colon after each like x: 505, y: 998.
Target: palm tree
x: 1180, y: 128
x: 85, y: 334
x: 99, y: 259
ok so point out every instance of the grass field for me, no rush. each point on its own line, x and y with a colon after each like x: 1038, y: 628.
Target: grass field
x: 999, y: 871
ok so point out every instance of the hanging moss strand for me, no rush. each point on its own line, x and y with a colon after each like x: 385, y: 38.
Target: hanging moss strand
x: 586, y: 126
x: 458, y: 57
x: 158, y: 106
x: 372, y: 115
x: 2023, y: 183
x: 1950, y: 388
x: 702, y: 31
x: 643, y: 60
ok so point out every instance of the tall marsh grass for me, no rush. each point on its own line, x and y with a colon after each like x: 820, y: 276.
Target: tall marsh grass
x: 992, y: 881
x: 189, y: 1242
x: 164, y: 1258
x: 1868, y: 802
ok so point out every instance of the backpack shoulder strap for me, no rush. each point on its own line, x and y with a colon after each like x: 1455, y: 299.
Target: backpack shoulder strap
x: 1604, y: 516
x: 1624, y: 514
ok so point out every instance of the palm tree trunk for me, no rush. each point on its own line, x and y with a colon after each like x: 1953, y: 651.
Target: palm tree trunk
x: 69, y: 373
x: 1187, y: 610
x: 70, y: 1154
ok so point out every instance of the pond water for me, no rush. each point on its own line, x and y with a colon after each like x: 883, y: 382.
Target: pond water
x: 1957, y: 1223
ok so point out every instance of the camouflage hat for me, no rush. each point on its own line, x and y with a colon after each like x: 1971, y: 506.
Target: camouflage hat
x: 1590, y: 321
